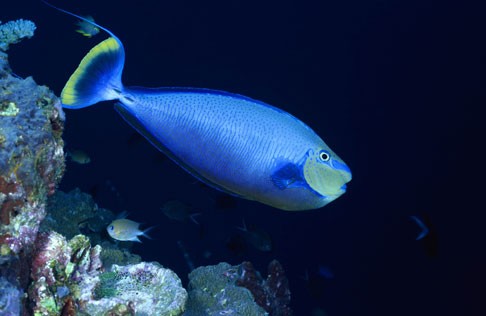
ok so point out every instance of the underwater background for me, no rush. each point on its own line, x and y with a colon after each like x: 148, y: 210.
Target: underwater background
x: 396, y: 88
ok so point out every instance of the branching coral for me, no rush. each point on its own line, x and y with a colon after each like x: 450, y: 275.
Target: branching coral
x: 14, y: 31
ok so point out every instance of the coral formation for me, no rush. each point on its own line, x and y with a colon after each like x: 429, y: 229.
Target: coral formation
x: 273, y: 294
x: 10, y: 297
x: 68, y: 275
x: 74, y: 213
x: 238, y: 290
x: 148, y: 288
x: 213, y: 291
x: 14, y: 31
x: 31, y: 149
x: 62, y: 271
x: 111, y: 255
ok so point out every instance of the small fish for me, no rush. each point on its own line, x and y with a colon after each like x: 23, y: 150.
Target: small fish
x: 123, y: 229
x: 424, y: 230
x: 233, y: 143
x: 428, y: 236
x: 256, y: 237
x: 86, y: 27
x: 179, y: 211
x: 79, y: 156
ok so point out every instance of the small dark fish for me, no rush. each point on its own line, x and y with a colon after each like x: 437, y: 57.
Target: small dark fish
x: 430, y: 242
x: 256, y: 237
x: 79, y: 156
x: 424, y: 230
x: 179, y: 211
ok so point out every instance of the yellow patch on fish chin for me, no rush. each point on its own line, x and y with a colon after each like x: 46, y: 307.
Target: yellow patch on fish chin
x: 322, y: 178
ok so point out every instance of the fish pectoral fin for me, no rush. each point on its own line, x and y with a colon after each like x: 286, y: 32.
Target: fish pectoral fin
x: 288, y: 176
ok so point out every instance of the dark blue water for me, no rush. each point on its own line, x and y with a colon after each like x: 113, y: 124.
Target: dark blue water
x: 396, y: 88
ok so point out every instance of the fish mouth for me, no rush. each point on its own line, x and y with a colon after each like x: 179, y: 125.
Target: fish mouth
x: 344, y: 171
x: 343, y: 188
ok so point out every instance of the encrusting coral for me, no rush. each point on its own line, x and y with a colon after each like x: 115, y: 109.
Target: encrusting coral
x: 31, y: 153
x: 31, y: 163
x: 71, y: 272
x: 224, y: 289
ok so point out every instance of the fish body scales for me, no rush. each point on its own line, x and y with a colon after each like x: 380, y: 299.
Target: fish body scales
x: 228, y: 140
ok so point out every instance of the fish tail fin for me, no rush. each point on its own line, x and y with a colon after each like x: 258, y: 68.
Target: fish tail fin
x: 243, y: 228
x: 146, y: 231
x: 98, y: 76
x: 193, y: 216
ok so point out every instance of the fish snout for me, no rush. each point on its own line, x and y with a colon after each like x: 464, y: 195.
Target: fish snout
x: 343, y: 188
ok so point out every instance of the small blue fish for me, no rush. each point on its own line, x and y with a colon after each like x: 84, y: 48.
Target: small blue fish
x: 235, y: 144
x: 123, y: 229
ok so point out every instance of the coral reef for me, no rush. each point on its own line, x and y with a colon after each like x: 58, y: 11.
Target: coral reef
x: 111, y: 255
x: 147, y: 288
x: 10, y: 297
x: 14, y: 31
x: 68, y: 276
x: 238, y: 290
x: 31, y: 150
x: 62, y: 271
x: 76, y: 213
x: 273, y: 294
x: 31, y: 165
x: 213, y: 291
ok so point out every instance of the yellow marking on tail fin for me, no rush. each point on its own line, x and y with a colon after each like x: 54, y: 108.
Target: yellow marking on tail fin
x: 70, y: 94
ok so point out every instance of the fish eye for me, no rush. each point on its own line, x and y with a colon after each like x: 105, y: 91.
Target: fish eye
x: 324, y: 156
x: 111, y: 227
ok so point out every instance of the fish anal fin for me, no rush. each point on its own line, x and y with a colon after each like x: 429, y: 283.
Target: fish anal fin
x: 136, y: 239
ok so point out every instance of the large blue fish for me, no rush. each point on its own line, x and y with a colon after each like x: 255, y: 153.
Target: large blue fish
x: 238, y: 145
